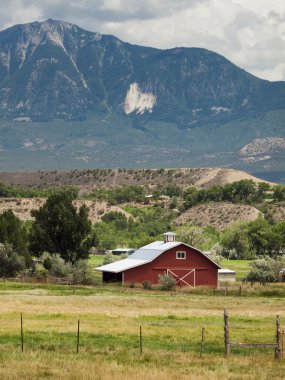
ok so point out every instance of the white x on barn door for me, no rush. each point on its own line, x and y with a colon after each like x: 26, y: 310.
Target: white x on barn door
x: 183, y: 278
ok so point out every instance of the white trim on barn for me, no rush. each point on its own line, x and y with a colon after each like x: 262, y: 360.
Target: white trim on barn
x: 183, y: 278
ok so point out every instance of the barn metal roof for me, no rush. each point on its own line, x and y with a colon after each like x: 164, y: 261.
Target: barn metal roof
x: 141, y: 256
x: 226, y: 271
x: 121, y: 265
x: 144, y: 255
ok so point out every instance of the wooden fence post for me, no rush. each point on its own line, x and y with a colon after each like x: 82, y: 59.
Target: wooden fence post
x: 283, y: 332
x: 22, y: 334
x: 140, y: 339
x: 78, y: 332
x: 278, y: 338
x: 226, y: 333
x: 202, y: 341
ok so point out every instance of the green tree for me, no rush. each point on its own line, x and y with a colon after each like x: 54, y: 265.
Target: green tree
x: 191, y: 235
x: 262, y: 189
x: 236, y: 238
x: 60, y: 228
x: 261, y: 237
x: 191, y: 197
x: 13, y: 232
x: 279, y: 193
x: 280, y: 230
x: 241, y: 191
x: 119, y: 219
x: 172, y: 190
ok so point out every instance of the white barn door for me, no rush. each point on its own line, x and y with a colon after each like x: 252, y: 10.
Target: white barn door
x: 183, y: 276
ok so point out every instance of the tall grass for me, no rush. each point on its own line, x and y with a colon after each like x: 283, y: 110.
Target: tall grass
x: 109, y: 340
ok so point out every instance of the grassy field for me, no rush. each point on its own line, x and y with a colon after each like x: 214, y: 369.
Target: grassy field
x: 110, y: 318
x: 242, y: 267
x: 96, y: 260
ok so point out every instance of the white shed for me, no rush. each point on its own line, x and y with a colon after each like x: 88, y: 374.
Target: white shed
x: 226, y: 275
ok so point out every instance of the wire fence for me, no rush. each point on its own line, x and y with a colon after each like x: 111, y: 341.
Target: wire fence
x: 77, y: 335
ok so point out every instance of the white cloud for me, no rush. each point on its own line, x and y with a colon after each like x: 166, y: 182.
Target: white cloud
x: 249, y: 33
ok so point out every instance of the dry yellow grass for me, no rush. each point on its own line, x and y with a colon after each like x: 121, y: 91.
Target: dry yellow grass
x: 38, y: 301
x: 48, y: 366
x: 110, y: 320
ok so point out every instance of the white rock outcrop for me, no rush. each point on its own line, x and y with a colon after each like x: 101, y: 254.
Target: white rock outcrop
x: 137, y: 101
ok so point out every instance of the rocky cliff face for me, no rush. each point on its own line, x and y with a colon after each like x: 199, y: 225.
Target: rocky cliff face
x: 55, y: 70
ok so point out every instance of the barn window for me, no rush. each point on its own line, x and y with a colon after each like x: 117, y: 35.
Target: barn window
x: 180, y: 255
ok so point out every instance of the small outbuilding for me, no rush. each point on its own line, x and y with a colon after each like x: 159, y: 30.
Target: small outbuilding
x: 188, y: 265
x: 122, y: 251
x: 227, y: 275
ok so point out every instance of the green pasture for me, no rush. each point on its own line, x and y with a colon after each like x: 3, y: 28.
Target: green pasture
x: 242, y: 267
x: 110, y: 319
x: 96, y: 260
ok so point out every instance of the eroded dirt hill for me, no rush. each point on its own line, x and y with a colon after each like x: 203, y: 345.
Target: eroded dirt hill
x: 219, y: 215
x: 87, y: 180
x: 22, y: 207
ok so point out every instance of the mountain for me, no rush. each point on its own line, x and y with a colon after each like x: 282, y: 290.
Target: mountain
x: 55, y: 70
x: 56, y: 74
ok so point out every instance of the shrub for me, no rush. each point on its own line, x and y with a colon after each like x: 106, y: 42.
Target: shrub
x: 266, y: 269
x: 147, y: 285
x: 80, y: 272
x: 57, y: 266
x: 41, y: 272
x: 47, y: 264
x: 10, y: 261
x: 166, y: 282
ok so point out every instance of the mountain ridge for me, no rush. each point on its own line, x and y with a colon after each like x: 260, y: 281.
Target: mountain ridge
x: 70, y: 98
x: 74, y: 72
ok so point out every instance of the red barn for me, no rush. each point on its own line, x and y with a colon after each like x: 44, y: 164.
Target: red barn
x: 188, y: 265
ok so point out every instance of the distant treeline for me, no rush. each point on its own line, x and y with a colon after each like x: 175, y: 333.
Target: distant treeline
x: 244, y: 191
x: 8, y: 191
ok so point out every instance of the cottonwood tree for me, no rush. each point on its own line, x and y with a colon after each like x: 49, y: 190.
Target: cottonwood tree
x: 235, y: 240
x: 60, y: 228
x: 191, y: 235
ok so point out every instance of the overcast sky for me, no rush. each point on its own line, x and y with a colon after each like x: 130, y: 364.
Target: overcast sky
x: 251, y: 33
